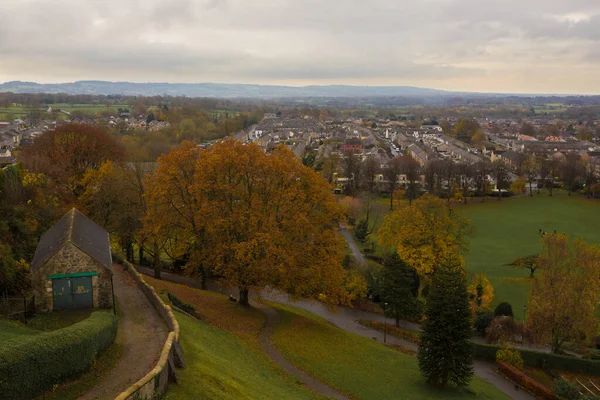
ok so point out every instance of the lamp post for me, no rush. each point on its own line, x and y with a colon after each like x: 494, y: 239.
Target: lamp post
x: 524, y: 312
x: 384, y: 322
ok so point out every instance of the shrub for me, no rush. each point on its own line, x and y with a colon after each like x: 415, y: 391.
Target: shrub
x: 503, y: 329
x: 503, y: 309
x: 541, y: 360
x: 32, y: 366
x: 566, y: 390
x: 392, y: 330
x: 482, y: 321
x: 361, y: 230
x: 510, y: 356
x: 540, y: 391
x: 188, y: 308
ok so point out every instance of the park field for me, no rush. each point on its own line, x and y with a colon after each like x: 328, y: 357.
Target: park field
x: 19, y: 111
x: 508, y: 229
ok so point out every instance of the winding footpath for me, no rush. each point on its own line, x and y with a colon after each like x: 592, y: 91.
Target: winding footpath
x: 264, y: 338
x: 141, y: 335
x: 346, y: 319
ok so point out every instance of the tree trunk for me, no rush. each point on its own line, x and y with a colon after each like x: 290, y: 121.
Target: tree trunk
x: 204, y: 277
x: 530, y: 190
x: 392, y: 200
x: 244, y: 297
x: 141, y: 255
x: 156, y: 261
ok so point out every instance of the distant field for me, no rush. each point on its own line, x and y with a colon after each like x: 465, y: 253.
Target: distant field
x: 550, y: 108
x: 19, y: 111
x: 507, y: 229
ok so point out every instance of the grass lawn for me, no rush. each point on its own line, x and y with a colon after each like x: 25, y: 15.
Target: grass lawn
x: 507, y: 229
x: 11, y: 330
x: 223, y: 357
x: 361, y: 367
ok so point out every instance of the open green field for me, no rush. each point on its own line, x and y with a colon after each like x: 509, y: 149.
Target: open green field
x: 507, y: 229
x: 361, y: 367
x: 19, y: 111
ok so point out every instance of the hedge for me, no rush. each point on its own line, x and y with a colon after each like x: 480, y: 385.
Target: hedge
x: 32, y: 366
x: 531, y: 385
x: 542, y: 360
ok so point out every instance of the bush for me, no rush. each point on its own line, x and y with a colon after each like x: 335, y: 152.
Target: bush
x: 540, y: 391
x: 361, y: 230
x: 503, y: 329
x: 482, y: 321
x: 392, y: 330
x: 566, y: 390
x: 32, y: 366
x: 188, y: 308
x: 510, y: 356
x: 541, y: 360
x: 503, y: 309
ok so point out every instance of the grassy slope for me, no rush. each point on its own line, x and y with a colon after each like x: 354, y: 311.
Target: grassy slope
x: 220, y: 366
x: 359, y: 366
x: 12, y: 330
x: 508, y: 229
x: 224, y: 359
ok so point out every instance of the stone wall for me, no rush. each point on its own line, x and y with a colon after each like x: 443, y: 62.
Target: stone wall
x: 69, y: 260
x: 154, y: 384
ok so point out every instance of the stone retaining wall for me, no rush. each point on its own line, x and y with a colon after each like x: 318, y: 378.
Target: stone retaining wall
x: 154, y: 384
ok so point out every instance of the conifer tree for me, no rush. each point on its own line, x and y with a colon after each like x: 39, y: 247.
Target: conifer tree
x: 445, y: 352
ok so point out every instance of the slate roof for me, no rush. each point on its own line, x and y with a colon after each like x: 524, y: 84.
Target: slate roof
x: 78, y: 229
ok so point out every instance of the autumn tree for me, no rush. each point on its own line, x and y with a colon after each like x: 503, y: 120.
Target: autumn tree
x: 519, y: 186
x: 370, y: 169
x: 466, y: 173
x: 500, y: 173
x: 67, y: 152
x: 481, y: 291
x: 445, y: 350
x: 588, y: 171
x: 531, y: 170
x: 255, y: 220
x: 564, y: 297
x: 465, y: 129
x: 425, y: 233
x: 483, y: 169
x: 527, y: 262
x: 111, y: 198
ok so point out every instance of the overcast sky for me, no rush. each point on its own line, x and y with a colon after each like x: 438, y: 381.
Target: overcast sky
x: 533, y: 46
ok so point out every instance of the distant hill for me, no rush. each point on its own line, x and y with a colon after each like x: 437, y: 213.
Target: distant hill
x: 222, y: 90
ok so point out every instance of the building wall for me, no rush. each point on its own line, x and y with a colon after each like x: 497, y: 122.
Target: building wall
x: 68, y: 260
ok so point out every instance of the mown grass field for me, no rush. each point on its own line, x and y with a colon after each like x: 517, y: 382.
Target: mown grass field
x: 223, y: 357
x: 19, y: 111
x: 507, y: 229
x: 361, y: 367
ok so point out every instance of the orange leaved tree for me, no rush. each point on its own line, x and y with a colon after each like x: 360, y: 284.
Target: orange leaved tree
x: 254, y: 219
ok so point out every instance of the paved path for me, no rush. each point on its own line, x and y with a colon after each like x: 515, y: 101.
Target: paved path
x: 346, y: 319
x: 273, y: 319
x: 358, y: 255
x: 142, y: 334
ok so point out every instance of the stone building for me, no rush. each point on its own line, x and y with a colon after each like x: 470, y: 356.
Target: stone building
x: 72, y: 266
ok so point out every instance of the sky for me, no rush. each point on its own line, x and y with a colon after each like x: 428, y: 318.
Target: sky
x: 516, y: 46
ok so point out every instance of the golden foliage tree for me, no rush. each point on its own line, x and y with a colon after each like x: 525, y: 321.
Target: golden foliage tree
x: 481, y: 291
x: 564, y: 297
x: 257, y: 220
x: 425, y: 233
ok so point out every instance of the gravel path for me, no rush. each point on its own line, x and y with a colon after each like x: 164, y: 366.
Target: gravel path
x: 273, y: 319
x: 358, y: 255
x: 142, y: 334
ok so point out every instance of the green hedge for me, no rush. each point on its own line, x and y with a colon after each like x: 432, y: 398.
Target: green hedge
x: 32, y: 366
x: 542, y: 360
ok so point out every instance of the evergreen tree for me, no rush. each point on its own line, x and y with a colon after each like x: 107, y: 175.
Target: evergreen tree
x: 400, y: 288
x: 445, y: 352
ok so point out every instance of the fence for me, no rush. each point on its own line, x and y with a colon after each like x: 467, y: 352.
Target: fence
x: 17, y: 307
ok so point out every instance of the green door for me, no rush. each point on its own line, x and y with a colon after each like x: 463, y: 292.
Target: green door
x: 81, y: 288
x: 61, y: 294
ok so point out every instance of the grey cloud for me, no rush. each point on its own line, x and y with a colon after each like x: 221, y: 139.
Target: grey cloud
x: 466, y: 44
